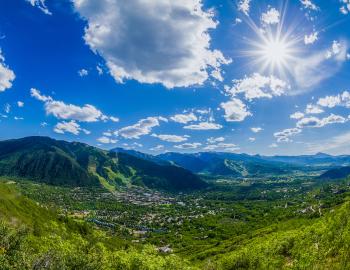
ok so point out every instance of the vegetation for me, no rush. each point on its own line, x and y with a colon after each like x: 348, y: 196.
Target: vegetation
x: 129, y: 213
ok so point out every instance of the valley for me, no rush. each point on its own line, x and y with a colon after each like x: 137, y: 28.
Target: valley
x: 211, y: 226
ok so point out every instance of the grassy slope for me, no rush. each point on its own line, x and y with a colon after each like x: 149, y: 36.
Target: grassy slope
x: 324, y: 244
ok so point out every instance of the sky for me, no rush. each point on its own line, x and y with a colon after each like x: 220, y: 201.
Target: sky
x: 245, y: 76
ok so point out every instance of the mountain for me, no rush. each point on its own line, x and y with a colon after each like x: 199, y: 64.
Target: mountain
x: 337, y: 173
x: 140, y: 155
x: 227, y: 164
x: 243, y: 165
x: 317, y: 160
x: 56, y: 162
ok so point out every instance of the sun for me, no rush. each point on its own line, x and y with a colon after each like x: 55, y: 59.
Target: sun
x: 275, y: 52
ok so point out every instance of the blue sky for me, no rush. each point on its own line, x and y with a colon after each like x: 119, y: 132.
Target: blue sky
x: 267, y: 77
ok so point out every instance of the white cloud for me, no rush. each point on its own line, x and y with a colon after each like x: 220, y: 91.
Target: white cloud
x: 311, y: 39
x: 158, y: 147
x: 7, y: 76
x: 188, y: 146
x: 41, y: 5
x: 114, y: 119
x: 171, y: 138
x: 342, y: 99
x: 273, y: 145
x: 311, y: 71
x: 244, y: 6
x: 313, y: 109
x: 106, y: 140
x: 272, y: 16
x: 160, y: 41
x: 284, y: 135
x: 141, y: 128
x: 184, y: 118
x: 83, y: 72
x: 20, y: 104
x: 226, y: 147
x: 251, y: 139
x: 70, y: 127
x: 307, y: 4
x: 7, y: 108
x: 258, y: 86
x: 297, y: 115
x: 61, y: 110
x: 338, y: 145
x: 203, y: 126
x: 213, y: 140
x: 335, y: 50
x: 18, y: 118
x: 237, y: 21
x: 345, y: 8
x: 256, y: 129
x: 314, y: 122
x: 235, y: 110
x: 99, y: 70
x: 107, y: 134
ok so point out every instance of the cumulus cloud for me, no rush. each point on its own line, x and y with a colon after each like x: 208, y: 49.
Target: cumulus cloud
x: 141, y: 128
x: 188, y: 146
x: 159, y: 41
x: 345, y: 8
x: 311, y: 39
x: 114, y: 119
x: 342, y: 99
x: 314, y: 122
x: 256, y: 129
x: 20, y: 104
x: 213, y: 140
x: 106, y: 140
x: 313, y: 109
x: 258, y: 86
x: 204, y: 126
x: 184, y: 118
x: 311, y: 71
x: 7, y: 76
x: 286, y: 134
x: 61, y: 110
x: 235, y: 110
x: 171, y: 138
x: 244, y: 6
x: 308, y: 4
x: 41, y: 5
x: 272, y: 16
x: 70, y: 127
x: 297, y: 115
x: 83, y: 72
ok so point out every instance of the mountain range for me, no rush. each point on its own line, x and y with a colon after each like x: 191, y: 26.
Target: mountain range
x: 56, y: 162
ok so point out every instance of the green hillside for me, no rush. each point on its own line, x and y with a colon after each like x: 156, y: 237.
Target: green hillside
x: 325, y: 244
x: 33, y: 237
x: 76, y: 164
